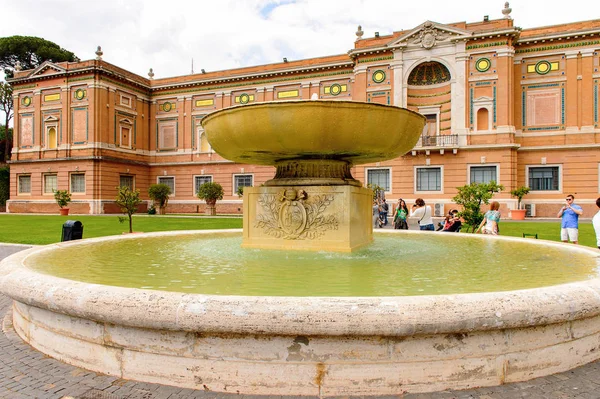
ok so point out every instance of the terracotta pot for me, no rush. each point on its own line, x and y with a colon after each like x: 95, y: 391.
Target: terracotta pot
x: 518, y: 214
x: 64, y: 211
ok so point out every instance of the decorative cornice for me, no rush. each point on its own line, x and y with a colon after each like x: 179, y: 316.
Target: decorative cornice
x: 557, y: 46
x: 375, y: 59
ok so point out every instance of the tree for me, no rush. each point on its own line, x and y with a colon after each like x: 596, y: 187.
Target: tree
x: 128, y: 200
x: 160, y: 194
x: 4, y: 184
x: 30, y: 51
x: 378, y: 191
x: 471, y: 196
x: 6, y: 106
x: 520, y: 193
x: 4, y: 144
x: 210, y: 192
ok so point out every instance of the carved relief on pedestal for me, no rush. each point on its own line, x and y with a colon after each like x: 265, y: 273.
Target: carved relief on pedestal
x: 291, y: 215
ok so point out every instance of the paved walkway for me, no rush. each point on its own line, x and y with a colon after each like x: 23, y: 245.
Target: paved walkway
x: 27, y: 373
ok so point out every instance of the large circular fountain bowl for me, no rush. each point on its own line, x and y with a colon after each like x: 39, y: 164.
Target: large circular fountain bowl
x: 414, y: 312
x: 355, y: 132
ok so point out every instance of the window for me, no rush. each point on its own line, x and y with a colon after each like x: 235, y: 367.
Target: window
x: 25, y: 184
x: 380, y: 177
x: 429, y: 179
x: 241, y: 181
x: 204, y: 144
x: 544, y: 178
x: 78, y: 182
x: 200, y: 180
x: 126, y: 181
x: 52, y: 139
x: 483, y: 174
x: 431, y: 125
x: 169, y: 181
x: 50, y: 184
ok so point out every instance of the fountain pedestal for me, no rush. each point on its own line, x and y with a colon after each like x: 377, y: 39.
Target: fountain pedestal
x: 328, y: 218
x: 313, y: 202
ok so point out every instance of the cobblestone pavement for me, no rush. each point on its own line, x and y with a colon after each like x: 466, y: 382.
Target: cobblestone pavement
x: 27, y: 373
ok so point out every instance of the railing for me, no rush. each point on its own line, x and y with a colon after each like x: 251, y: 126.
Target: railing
x: 450, y: 140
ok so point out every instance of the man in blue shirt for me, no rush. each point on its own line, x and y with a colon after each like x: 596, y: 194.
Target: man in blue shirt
x: 570, y: 220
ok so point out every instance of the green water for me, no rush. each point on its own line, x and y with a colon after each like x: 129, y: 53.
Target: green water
x: 392, y: 266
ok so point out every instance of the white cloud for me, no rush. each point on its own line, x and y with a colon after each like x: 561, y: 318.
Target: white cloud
x: 166, y: 35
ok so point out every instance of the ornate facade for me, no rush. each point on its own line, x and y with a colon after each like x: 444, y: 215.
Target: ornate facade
x: 519, y: 106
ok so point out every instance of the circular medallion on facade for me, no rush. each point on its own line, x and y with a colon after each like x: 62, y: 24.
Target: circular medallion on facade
x: 483, y: 64
x: 378, y: 76
x: 335, y: 89
x: 542, y: 67
x: 244, y: 98
x: 26, y: 101
x: 79, y: 94
x: 167, y: 106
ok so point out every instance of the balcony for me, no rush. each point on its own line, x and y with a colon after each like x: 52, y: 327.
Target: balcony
x: 449, y: 140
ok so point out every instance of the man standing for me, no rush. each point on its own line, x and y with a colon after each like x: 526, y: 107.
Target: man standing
x: 570, y: 220
x: 596, y: 223
x: 385, y: 209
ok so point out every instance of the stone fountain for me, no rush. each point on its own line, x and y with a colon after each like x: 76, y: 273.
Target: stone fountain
x: 306, y: 345
x: 313, y: 202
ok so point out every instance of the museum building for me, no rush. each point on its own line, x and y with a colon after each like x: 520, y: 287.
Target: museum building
x: 518, y: 106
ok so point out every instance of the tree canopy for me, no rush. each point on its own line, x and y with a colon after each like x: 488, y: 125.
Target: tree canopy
x: 6, y: 106
x: 30, y: 51
x: 471, y: 196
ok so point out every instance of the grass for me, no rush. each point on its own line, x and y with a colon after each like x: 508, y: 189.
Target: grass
x: 547, y: 230
x: 47, y: 229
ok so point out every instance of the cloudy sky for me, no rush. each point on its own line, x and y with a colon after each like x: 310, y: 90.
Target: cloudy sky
x: 221, y: 34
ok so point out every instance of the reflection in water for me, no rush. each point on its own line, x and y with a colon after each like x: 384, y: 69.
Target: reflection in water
x: 391, y: 266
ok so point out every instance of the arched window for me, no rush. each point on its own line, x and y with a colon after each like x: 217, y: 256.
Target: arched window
x: 429, y: 73
x: 483, y: 119
x: 52, y: 141
x: 204, y: 145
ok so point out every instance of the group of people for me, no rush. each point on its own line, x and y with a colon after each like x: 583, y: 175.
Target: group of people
x: 418, y: 210
x: 569, y: 214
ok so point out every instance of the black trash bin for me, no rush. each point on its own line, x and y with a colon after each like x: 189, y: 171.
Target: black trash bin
x: 72, y: 230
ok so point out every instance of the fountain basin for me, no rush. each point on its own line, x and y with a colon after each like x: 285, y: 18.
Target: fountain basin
x: 307, y: 345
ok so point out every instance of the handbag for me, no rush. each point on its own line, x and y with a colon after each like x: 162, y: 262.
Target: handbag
x: 424, y: 212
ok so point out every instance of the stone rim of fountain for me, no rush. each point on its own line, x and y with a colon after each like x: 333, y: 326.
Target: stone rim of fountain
x: 179, y: 311
x: 325, y: 346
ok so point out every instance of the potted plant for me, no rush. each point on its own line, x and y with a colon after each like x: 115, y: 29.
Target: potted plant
x: 519, y: 193
x: 159, y: 193
x: 62, y: 197
x: 210, y: 192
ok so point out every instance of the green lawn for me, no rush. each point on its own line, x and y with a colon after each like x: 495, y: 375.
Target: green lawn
x: 547, y: 230
x: 47, y: 229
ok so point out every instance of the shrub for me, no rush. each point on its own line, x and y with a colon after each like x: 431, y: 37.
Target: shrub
x: 62, y: 197
x: 159, y: 193
x: 210, y: 192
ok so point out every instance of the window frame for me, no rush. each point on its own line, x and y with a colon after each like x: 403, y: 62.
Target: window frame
x: 416, y: 182
x: 71, y: 175
x: 235, y: 184
x: 19, y: 184
x: 389, y: 169
x: 197, y: 186
x: 158, y: 178
x: 44, y: 183
x: 486, y: 165
x: 121, y: 175
x: 560, y: 178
